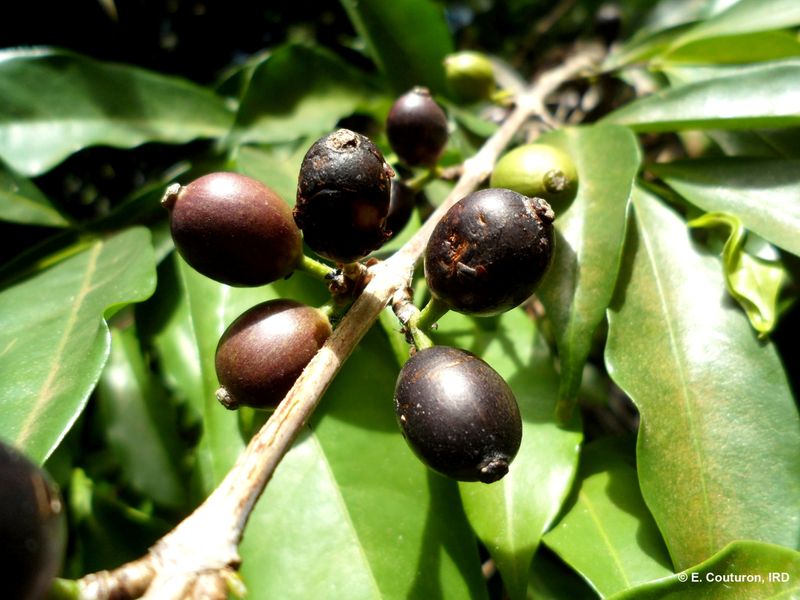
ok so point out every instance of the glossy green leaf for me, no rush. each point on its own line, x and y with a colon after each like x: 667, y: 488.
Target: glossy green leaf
x: 351, y: 512
x: 22, y: 202
x: 761, y: 98
x: 780, y: 143
x: 550, y: 579
x: 682, y: 74
x: 580, y: 282
x: 735, y: 49
x: 167, y: 318
x: 511, y: 515
x: 763, y: 143
x: 763, y: 193
x: 54, y: 341
x: 276, y: 166
x: 140, y: 423
x: 744, y: 570
x: 745, y: 16
x: 719, y: 443
x: 299, y: 92
x: 408, y: 40
x: 754, y: 282
x: 56, y: 103
x: 607, y: 534
x: 642, y: 47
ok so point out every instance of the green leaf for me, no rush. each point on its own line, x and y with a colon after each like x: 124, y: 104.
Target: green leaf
x: 642, y: 47
x: 56, y: 103
x: 745, y: 16
x: 511, y: 515
x: 754, y: 571
x: 140, y: 423
x: 276, y: 166
x: 351, y: 512
x: 759, y: 98
x: 607, y: 534
x: 550, y: 579
x: 763, y: 193
x: 22, y: 202
x: 580, y: 282
x: 682, y: 74
x: 719, y: 444
x: 299, y: 92
x: 54, y: 341
x: 408, y: 40
x: 735, y: 49
x: 780, y: 143
x: 754, y: 282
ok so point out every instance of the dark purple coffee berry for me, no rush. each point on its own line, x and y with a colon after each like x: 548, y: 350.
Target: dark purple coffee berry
x: 32, y: 527
x: 263, y: 352
x: 233, y: 229
x: 417, y: 128
x: 489, y: 251
x: 458, y: 414
x: 343, y: 196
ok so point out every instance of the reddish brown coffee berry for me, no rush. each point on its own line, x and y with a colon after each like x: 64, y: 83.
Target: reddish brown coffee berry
x: 343, y: 196
x: 458, y: 414
x: 263, y: 352
x: 417, y: 128
x: 32, y: 527
x: 233, y: 229
x: 489, y: 251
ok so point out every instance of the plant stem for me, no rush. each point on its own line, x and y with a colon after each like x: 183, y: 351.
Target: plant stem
x: 204, y: 547
x: 315, y: 268
x: 424, y: 178
x: 420, y: 323
x: 418, y: 334
x: 432, y: 312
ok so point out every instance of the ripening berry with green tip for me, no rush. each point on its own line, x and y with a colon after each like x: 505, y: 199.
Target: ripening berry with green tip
x: 538, y: 170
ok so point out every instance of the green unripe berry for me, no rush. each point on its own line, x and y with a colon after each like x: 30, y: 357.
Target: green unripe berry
x: 537, y: 170
x: 470, y: 76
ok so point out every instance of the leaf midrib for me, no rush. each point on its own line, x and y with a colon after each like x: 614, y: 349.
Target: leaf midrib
x: 687, y: 409
x: 584, y: 498
x: 47, y: 390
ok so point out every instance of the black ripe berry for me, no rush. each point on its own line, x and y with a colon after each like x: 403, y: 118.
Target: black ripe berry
x: 489, y: 251
x: 32, y: 527
x: 233, y: 229
x: 265, y: 349
x: 343, y: 196
x: 458, y: 414
x: 417, y: 128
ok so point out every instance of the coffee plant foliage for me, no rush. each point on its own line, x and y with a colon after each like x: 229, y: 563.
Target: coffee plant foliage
x: 655, y: 368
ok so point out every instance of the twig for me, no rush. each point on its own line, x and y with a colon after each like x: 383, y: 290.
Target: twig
x: 205, y: 545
